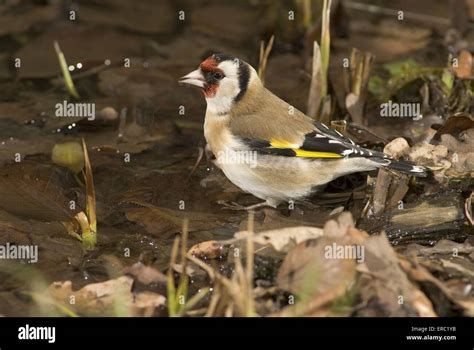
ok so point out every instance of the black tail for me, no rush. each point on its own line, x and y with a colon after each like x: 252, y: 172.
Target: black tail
x: 401, y: 166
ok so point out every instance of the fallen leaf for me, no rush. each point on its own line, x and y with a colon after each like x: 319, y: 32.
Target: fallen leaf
x: 437, y: 289
x: 110, y: 298
x: 468, y: 306
x: 385, y: 288
x: 207, y: 250
x: 463, y: 69
x: 454, y: 125
x: 448, y: 264
x: 339, y: 227
x: 280, y: 240
x: 315, y: 272
x: 145, y: 274
x: 315, y: 279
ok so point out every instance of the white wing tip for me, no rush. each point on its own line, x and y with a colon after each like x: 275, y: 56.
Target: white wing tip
x: 418, y: 169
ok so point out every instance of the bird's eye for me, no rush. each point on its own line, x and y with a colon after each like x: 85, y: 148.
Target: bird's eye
x: 217, y: 75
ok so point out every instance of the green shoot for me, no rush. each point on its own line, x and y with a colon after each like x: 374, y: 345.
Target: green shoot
x: 65, y: 70
x: 88, y: 221
x: 178, y: 304
x: 319, y: 102
x: 307, y: 13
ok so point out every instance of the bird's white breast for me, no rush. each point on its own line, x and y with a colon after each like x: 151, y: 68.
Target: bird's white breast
x: 249, y: 171
x: 217, y: 133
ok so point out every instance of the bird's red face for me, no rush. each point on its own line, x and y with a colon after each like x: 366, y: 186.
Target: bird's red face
x: 207, y: 77
x: 222, y: 78
x: 212, y: 76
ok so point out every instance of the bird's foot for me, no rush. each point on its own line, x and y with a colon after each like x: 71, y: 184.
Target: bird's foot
x: 237, y: 206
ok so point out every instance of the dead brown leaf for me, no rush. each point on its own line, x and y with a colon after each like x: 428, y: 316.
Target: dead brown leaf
x: 207, y: 250
x: 463, y: 69
x: 439, y: 292
x: 316, y: 273
x: 145, y: 274
x: 454, y: 125
x: 312, y: 277
x: 281, y: 240
x: 109, y: 298
x: 385, y: 289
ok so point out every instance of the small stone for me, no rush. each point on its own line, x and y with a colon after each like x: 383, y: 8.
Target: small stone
x: 440, y: 151
x: 108, y: 113
x: 207, y: 250
x: 397, y: 148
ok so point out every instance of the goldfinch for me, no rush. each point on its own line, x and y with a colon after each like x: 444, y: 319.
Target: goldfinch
x: 269, y: 148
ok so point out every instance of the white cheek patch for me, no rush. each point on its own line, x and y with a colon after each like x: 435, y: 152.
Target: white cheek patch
x: 227, y: 90
x: 230, y: 69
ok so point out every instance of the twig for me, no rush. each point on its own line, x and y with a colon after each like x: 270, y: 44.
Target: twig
x: 356, y: 79
x: 264, y: 53
x: 315, y: 90
x: 325, y: 43
x: 250, y: 264
x: 198, y: 160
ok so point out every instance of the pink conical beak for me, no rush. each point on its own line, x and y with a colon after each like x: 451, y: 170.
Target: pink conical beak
x: 194, y: 78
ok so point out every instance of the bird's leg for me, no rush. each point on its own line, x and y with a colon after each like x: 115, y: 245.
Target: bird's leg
x: 236, y: 206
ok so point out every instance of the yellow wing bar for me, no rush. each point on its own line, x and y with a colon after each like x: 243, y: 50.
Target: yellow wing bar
x: 302, y: 153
